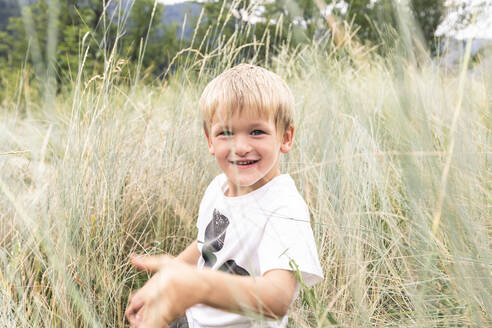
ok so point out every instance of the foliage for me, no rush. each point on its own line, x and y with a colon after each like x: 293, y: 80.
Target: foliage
x: 55, y: 36
x: 429, y: 14
x: 266, y: 26
x: 380, y: 21
x: 296, y: 23
x: 58, y: 37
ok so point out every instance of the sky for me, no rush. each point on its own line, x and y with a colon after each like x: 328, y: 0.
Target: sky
x: 481, y: 10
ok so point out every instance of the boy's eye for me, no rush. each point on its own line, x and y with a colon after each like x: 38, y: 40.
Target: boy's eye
x: 257, y: 132
x: 225, y: 133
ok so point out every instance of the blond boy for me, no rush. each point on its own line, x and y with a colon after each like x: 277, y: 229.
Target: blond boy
x: 253, y: 225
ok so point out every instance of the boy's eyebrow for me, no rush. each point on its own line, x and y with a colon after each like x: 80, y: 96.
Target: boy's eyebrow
x: 258, y: 123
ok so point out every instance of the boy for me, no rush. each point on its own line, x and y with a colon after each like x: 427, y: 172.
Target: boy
x: 253, y: 225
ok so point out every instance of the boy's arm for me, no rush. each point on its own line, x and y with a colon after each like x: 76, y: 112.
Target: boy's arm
x: 177, y: 286
x: 270, y: 294
x: 191, y: 254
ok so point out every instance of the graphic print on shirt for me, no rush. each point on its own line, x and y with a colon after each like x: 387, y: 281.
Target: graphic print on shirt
x: 215, y: 233
x: 230, y: 266
x: 214, y: 237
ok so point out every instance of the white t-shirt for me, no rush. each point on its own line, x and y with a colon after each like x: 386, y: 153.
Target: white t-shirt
x: 251, y: 235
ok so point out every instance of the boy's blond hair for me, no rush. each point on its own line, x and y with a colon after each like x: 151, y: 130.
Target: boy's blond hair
x: 248, y: 89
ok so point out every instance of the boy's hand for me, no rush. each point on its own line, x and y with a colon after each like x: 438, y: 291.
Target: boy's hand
x: 166, y: 295
x: 177, y: 286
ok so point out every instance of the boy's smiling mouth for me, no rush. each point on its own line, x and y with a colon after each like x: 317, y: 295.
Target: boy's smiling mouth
x: 245, y: 162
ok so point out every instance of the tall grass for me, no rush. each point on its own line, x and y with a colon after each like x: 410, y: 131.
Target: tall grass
x: 392, y: 156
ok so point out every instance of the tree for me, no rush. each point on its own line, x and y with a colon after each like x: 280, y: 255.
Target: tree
x: 375, y: 20
x: 256, y: 29
x: 429, y: 14
x: 148, y: 40
x: 31, y: 31
x: 137, y: 32
x: 294, y: 22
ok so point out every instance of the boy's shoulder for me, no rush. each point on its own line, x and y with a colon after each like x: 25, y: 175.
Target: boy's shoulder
x: 283, y: 191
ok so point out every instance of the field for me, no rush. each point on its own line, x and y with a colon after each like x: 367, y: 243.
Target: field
x: 393, y: 156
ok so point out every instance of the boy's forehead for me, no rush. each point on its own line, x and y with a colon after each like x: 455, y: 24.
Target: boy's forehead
x: 222, y: 115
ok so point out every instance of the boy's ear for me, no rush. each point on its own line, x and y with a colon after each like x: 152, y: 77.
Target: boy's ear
x: 287, y: 139
x: 209, y: 143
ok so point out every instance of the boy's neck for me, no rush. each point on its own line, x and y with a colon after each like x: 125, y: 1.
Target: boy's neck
x: 235, y: 190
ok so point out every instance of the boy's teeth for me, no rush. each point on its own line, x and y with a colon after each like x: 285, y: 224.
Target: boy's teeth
x: 244, y: 162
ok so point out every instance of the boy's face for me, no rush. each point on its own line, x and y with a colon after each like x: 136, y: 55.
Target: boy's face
x: 247, y: 149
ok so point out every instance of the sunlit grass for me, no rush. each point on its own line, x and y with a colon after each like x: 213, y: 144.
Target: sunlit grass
x: 108, y: 169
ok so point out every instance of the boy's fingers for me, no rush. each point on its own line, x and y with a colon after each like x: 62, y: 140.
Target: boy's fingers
x: 150, y: 263
x: 153, y: 320
x: 135, y: 305
x: 136, y: 320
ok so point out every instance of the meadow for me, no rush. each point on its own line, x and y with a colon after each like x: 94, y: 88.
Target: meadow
x: 392, y: 154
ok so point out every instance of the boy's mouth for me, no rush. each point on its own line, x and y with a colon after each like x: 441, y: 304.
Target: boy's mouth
x: 245, y: 162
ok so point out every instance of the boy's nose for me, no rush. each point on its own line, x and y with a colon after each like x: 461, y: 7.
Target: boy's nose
x: 241, y: 146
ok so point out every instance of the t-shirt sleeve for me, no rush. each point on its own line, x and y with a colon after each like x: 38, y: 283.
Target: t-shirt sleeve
x: 288, y: 239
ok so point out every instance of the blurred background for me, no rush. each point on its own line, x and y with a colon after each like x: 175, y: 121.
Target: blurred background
x: 49, y: 36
